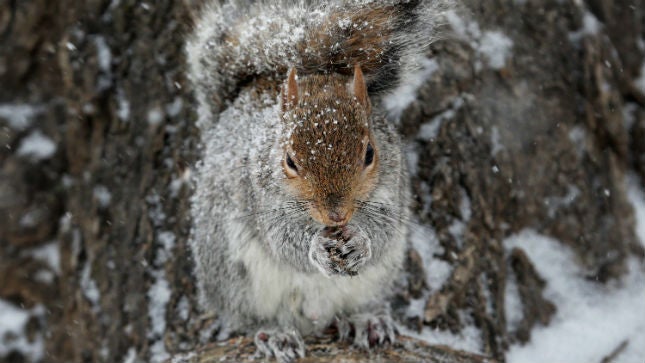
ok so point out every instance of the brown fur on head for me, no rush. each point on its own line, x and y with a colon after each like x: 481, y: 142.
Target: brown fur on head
x: 330, y: 156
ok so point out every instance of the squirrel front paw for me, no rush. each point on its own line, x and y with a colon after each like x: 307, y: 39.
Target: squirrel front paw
x: 340, y: 250
x: 284, y: 346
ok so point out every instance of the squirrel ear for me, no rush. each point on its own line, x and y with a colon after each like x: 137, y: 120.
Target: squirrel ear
x: 359, y: 88
x: 290, y: 91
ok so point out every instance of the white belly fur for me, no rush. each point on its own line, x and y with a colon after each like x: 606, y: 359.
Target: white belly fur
x: 313, y: 297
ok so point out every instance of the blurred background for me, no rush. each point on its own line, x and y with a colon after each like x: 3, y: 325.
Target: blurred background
x: 525, y: 134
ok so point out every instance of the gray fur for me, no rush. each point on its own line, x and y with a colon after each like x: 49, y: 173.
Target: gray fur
x: 217, y: 67
x: 253, y: 243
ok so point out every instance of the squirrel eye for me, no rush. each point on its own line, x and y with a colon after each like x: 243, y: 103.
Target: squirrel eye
x: 291, y: 164
x: 369, y: 155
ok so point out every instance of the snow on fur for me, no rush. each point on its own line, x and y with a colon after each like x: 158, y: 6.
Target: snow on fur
x: 245, y: 41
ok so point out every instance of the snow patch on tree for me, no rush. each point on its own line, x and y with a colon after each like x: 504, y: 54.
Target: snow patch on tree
x: 492, y: 46
x: 495, y: 47
x: 37, y: 146
x: 102, y: 195
x: 19, y: 116
x: 397, y: 101
x: 13, y: 337
x: 590, y: 26
x: 89, y: 287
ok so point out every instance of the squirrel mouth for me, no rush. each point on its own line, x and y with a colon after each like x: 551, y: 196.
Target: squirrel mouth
x: 333, y: 215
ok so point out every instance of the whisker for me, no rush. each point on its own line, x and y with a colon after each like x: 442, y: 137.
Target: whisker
x: 405, y: 218
x: 290, y: 206
x: 380, y: 213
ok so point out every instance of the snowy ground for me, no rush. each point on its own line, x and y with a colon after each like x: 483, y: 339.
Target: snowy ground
x: 592, y: 319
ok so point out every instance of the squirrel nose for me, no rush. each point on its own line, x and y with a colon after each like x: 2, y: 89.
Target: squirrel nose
x: 336, y: 216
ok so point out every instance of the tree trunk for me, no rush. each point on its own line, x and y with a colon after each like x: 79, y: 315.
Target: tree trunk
x: 98, y: 140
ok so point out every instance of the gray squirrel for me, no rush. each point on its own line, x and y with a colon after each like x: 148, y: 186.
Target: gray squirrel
x: 301, y: 199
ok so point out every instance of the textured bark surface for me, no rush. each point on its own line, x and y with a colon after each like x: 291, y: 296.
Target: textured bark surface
x: 105, y: 82
x: 542, y: 142
x: 325, y: 350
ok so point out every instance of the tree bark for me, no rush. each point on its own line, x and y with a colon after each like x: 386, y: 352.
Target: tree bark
x: 327, y: 350
x: 97, y: 141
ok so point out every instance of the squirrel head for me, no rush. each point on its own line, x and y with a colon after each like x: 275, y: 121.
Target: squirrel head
x: 330, y: 157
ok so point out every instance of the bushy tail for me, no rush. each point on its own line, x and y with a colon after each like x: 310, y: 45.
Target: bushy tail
x: 239, y: 41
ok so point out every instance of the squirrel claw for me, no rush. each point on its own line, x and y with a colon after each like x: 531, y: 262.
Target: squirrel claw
x: 373, y: 330
x: 343, y: 327
x: 284, y: 346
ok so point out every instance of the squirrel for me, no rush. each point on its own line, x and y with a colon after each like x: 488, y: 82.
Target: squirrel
x: 301, y: 199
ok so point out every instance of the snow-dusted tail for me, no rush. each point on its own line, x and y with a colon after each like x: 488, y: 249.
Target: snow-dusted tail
x: 239, y: 42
